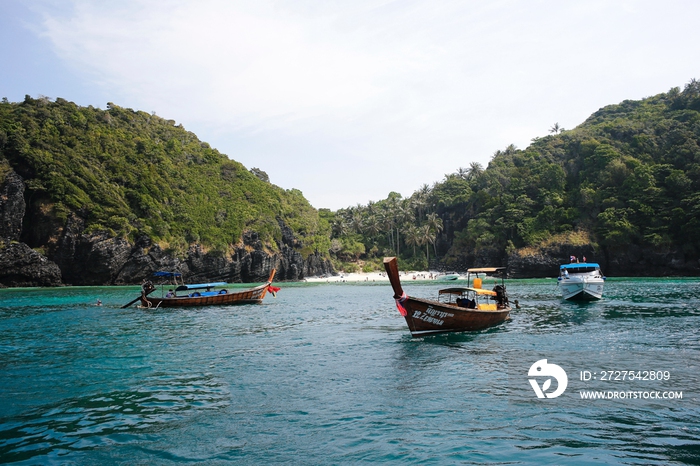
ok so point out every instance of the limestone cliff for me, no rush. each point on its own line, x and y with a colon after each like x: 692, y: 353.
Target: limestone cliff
x: 20, y: 265
x: 628, y: 261
x: 75, y: 256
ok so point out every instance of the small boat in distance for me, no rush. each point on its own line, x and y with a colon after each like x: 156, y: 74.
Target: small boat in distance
x: 201, y: 294
x: 581, y: 281
x: 457, y: 309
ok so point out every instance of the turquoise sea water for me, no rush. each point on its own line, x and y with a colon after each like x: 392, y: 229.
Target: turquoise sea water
x: 329, y: 374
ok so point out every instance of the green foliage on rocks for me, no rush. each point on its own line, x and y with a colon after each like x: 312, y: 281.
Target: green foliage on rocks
x: 131, y: 173
x: 629, y: 174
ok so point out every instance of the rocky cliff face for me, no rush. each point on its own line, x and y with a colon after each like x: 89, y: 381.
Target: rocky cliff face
x: 633, y: 261
x: 545, y: 262
x: 20, y: 265
x: 76, y: 257
x: 629, y: 261
x: 12, y: 206
x: 97, y: 259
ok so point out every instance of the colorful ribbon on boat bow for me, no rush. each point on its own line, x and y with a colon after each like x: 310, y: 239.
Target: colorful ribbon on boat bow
x: 399, y: 304
x: 273, y: 290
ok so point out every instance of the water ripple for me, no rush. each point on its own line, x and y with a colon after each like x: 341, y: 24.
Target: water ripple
x: 329, y: 374
x: 109, y: 418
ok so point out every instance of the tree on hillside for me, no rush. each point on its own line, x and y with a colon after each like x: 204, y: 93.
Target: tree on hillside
x: 427, y: 237
x: 413, y: 237
x: 434, y: 224
x: 475, y: 170
x: 630, y: 174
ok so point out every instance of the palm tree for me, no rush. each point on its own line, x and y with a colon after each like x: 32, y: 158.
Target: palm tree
x: 475, y: 170
x: 435, y: 223
x: 413, y: 237
x: 424, y: 190
x: 387, y: 221
x: 404, y: 217
x: 356, y: 221
x: 339, y: 227
x: 419, y: 201
x: 371, y: 207
x: 398, y: 214
x: 373, y: 225
x: 556, y: 129
x: 426, y: 237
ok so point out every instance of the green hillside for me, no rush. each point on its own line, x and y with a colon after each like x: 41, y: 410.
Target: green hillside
x: 130, y: 173
x: 629, y: 174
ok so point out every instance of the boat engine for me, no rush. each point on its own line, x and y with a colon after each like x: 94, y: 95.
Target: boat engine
x: 501, y: 296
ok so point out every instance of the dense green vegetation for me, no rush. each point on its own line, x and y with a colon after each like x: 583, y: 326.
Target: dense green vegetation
x: 630, y: 174
x: 130, y: 173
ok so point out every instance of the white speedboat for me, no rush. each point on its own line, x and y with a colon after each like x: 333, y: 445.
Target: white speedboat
x: 581, y: 281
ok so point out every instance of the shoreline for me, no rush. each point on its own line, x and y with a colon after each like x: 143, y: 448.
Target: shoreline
x: 375, y: 277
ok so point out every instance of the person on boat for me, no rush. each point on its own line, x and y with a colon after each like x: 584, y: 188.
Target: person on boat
x: 466, y: 302
x: 501, y: 298
x: 170, y: 294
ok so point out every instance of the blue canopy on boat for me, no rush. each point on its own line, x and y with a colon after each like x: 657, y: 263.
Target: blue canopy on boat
x: 580, y: 265
x: 167, y: 274
x: 199, y: 286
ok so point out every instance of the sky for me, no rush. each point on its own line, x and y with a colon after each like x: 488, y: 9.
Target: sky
x: 348, y: 101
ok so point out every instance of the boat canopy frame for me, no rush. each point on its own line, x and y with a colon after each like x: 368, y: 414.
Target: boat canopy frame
x: 463, y: 290
x: 579, y: 265
x: 500, y: 272
x: 474, y: 298
x: 486, y: 270
x: 170, y: 279
x: 200, y: 286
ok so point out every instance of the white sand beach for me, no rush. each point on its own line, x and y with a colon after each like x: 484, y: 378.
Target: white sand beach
x: 374, y: 277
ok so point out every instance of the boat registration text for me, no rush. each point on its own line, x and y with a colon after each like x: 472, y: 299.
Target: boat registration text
x: 432, y: 315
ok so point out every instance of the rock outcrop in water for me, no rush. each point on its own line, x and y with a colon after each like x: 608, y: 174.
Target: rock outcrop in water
x: 20, y: 265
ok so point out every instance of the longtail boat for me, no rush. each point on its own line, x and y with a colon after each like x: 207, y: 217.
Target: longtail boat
x: 457, y: 309
x: 203, y: 294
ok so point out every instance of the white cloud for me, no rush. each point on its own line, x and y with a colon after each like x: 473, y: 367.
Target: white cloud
x: 391, y: 94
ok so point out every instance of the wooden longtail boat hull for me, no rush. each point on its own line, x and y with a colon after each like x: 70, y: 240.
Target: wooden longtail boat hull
x: 250, y: 296
x: 427, y: 317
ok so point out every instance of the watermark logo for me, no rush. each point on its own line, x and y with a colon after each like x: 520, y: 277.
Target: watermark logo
x: 542, y: 369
